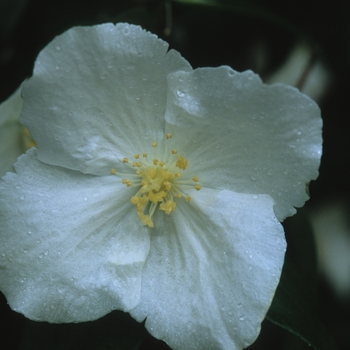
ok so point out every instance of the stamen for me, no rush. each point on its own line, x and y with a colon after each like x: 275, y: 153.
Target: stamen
x: 158, y: 182
x: 181, y: 162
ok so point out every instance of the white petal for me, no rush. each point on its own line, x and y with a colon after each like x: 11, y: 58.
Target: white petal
x: 10, y: 141
x: 245, y: 136
x: 71, y: 248
x: 98, y: 94
x: 212, y: 271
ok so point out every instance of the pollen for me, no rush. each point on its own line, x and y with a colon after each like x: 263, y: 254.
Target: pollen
x: 160, y: 180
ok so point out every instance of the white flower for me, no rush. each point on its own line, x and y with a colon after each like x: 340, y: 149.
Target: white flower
x: 85, y: 231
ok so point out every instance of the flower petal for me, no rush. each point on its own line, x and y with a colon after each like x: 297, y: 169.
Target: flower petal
x: 212, y: 271
x: 97, y: 93
x: 70, y: 247
x: 245, y: 136
x: 10, y: 145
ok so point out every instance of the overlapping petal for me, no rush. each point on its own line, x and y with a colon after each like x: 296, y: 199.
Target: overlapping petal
x: 212, y: 271
x: 97, y: 94
x: 10, y: 145
x: 70, y: 247
x: 245, y: 136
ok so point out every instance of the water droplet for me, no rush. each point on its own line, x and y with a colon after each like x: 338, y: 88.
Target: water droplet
x: 25, y: 251
x: 58, y: 48
x: 180, y: 93
x: 253, y: 178
x: 29, y: 232
x: 46, y: 252
x: 231, y: 72
x: 138, y: 98
x: 41, y: 256
x: 18, y: 187
x: 144, y: 77
x: 242, y: 318
x: 126, y: 31
x: 85, y: 199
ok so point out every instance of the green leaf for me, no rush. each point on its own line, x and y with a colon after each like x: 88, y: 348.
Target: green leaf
x: 293, y: 307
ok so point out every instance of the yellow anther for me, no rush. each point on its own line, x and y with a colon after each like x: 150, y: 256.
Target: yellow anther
x: 135, y: 200
x: 126, y: 182
x: 168, y: 135
x: 113, y: 171
x: 136, y: 156
x: 144, y: 155
x: 188, y: 198
x: 154, y: 144
x: 167, y: 185
x: 125, y: 160
x: 195, y: 178
x: 155, y: 161
x: 28, y: 141
x: 181, y: 162
x: 146, y: 220
x: 156, y: 197
x: 152, y: 172
x: 161, y: 164
x: 176, y: 175
x: 136, y: 164
x: 178, y: 195
x: 173, y: 151
x: 198, y: 187
x: 168, y: 207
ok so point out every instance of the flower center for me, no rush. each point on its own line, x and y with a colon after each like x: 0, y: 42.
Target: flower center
x: 160, y: 181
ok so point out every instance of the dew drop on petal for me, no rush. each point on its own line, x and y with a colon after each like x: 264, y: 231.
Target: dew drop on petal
x: 180, y: 93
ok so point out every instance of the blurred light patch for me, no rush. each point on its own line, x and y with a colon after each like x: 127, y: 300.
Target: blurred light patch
x: 304, y: 71
x: 332, y: 234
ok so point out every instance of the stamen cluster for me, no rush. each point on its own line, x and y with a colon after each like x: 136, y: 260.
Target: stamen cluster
x: 159, y: 181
